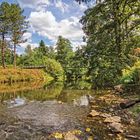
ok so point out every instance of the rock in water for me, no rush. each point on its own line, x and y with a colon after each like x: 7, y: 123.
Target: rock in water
x: 82, y: 101
x: 116, y: 127
x: 113, y: 119
x: 94, y: 113
x: 105, y: 115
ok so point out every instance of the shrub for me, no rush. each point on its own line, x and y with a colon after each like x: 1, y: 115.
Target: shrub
x: 54, y: 68
x: 131, y: 75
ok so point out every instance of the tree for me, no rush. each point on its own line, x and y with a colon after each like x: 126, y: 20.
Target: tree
x: 4, y: 27
x: 43, y: 49
x: 78, y: 67
x: 18, y: 27
x: 8, y: 54
x: 54, y: 68
x: 64, y: 54
x: 64, y: 51
x: 28, y: 50
x: 51, y: 53
x: 12, y: 25
x: 110, y: 27
x: 35, y: 56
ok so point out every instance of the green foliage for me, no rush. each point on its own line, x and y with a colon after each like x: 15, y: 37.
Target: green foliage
x: 10, y: 75
x: 111, y: 28
x: 78, y: 67
x: 112, y: 34
x: 135, y: 110
x: 42, y: 49
x: 131, y: 75
x: 13, y: 26
x: 18, y: 24
x: 81, y: 85
x: 54, y: 68
x: 64, y: 52
x: 4, y: 28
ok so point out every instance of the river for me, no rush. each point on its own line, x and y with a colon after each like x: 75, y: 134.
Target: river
x: 36, y: 111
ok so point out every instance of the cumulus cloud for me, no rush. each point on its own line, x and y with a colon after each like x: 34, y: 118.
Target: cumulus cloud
x: 45, y: 24
x: 34, y: 4
x: 62, y: 6
x: 24, y: 45
x: 28, y: 36
x: 41, y: 5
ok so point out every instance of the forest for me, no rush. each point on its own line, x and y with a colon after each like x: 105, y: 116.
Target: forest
x: 68, y: 92
x: 110, y: 57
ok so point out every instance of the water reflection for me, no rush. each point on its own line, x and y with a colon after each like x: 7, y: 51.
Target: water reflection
x: 81, y: 85
x: 83, y: 100
x: 31, y: 92
x: 19, y: 93
x: 15, y: 102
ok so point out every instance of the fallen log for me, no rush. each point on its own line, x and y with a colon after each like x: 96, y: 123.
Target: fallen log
x: 128, y: 104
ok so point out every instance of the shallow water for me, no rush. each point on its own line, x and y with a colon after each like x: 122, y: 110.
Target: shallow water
x: 34, y: 111
x: 48, y: 107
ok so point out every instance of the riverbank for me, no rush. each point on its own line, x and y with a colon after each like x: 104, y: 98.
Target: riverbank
x: 11, y: 75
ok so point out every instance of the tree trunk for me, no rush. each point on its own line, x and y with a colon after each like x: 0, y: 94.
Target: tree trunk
x: 117, y: 30
x: 15, y: 55
x: 3, y: 51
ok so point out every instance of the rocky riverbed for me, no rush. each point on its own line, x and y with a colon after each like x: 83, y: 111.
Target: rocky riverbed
x: 97, y: 118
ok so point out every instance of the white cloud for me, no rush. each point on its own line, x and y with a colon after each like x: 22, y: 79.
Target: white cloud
x: 34, y: 3
x: 46, y: 25
x: 83, y: 7
x: 33, y: 45
x: 78, y: 8
x: 41, y: 5
x: 62, y: 6
x: 28, y: 36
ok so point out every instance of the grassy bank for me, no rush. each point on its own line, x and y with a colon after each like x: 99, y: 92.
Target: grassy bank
x: 11, y: 75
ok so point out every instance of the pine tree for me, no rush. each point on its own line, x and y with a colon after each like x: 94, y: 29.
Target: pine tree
x: 18, y: 27
x: 4, y: 28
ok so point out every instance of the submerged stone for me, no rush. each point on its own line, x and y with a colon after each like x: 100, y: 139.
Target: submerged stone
x: 70, y: 136
x: 94, y: 113
x: 113, y: 119
x: 116, y: 127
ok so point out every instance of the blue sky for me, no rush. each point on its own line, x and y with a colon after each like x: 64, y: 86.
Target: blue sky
x: 50, y: 18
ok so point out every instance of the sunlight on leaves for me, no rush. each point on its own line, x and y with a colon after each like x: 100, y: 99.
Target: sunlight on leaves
x: 90, y: 138
x: 58, y: 135
x: 78, y: 132
x: 88, y: 129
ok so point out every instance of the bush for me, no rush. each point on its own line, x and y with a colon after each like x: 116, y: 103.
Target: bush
x: 54, y: 68
x: 10, y: 75
x: 131, y: 75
